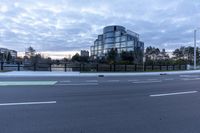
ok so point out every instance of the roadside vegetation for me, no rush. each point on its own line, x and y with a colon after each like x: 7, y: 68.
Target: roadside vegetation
x: 153, y: 57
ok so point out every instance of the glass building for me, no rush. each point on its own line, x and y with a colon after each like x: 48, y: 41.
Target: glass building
x: 116, y: 37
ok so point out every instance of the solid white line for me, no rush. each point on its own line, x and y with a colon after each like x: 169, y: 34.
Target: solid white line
x: 188, y: 79
x: 143, y: 82
x: 77, y: 84
x: 66, y: 81
x: 113, y: 81
x: 91, y: 81
x: 152, y: 79
x: 189, y: 76
x: 132, y: 80
x: 27, y: 103
x: 169, y: 79
x: 24, y: 83
x: 176, y: 93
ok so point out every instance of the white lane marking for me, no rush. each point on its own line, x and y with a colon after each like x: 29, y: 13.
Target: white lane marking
x: 27, y: 103
x: 152, y: 79
x: 143, y: 82
x: 189, y: 76
x: 188, y: 79
x: 133, y: 80
x: 16, y: 83
x: 94, y: 81
x: 169, y: 79
x: 113, y: 81
x: 78, y: 84
x: 176, y: 93
x: 65, y: 81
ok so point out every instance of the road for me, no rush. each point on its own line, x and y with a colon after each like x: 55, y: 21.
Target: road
x: 150, y: 104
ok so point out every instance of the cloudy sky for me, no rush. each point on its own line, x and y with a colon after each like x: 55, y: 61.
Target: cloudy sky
x: 71, y: 25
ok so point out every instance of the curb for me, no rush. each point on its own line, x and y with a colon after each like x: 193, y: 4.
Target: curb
x: 78, y: 74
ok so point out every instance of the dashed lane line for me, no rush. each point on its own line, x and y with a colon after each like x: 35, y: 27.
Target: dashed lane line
x: 175, y: 93
x: 132, y: 80
x: 169, y: 79
x: 65, y: 81
x: 27, y: 103
x: 189, y: 76
x: 146, y: 82
x: 112, y: 81
x: 189, y: 79
x: 77, y: 84
x: 93, y: 81
x: 152, y: 79
x: 24, y: 83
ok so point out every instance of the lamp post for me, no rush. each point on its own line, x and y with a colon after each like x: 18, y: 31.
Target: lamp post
x: 195, y: 48
x: 195, y: 62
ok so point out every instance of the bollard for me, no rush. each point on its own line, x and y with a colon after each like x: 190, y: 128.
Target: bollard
x: 18, y: 67
x: 1, y: 66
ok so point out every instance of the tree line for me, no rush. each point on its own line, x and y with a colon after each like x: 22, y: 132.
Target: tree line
x: 182, y: 55
x: 153, y: 56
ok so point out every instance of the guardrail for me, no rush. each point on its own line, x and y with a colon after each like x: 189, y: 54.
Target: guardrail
x: 83, y: 67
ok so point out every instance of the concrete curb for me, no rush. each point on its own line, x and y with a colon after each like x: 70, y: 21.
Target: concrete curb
x: 78, y: 74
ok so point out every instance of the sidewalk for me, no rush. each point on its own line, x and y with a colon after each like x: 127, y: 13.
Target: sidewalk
x: 78, y: 74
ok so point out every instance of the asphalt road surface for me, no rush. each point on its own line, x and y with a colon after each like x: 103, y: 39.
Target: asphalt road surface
x: 133, y: 104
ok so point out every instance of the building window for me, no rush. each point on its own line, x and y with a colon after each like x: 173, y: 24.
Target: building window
x: 123, y: 49
x: 123, y: 44
x: 96, y: 48
x: 123, y: 38
x: 109, y: 40
x: 108, y: 29
x: 105, y: 51
x: 129, y: 49
x: 117, y: 45
x: 118, y: 50
x: 109, y: 34
x: 130, y: 43
x: 95, y: 43
x: 117, y: 39
x: 99, y: 47
x: 118, y: 33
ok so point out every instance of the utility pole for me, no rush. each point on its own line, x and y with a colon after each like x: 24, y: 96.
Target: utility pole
x: 195, y: 50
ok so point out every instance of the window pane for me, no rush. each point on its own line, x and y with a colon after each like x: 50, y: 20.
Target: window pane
x: 117, y: 39
x: 109, y: 40
x: 123, y: 44
x: 123, y: 38
x: 130, y: 43
x: 117, y: 45
x: 129, y: 49
x: 109, y: 34
x: 109, y: 46
x: 118, y: 33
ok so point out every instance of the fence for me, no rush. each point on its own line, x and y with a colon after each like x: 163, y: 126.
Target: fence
x: 88, y: 67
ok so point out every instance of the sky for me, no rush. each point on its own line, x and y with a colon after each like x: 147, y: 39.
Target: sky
x: 71, y: 25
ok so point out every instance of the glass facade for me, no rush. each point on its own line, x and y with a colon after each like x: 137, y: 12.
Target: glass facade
x: 116, y: 37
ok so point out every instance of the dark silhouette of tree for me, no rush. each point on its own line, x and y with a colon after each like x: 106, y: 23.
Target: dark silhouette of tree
x: 30, y: 52
x: 112, y: 55
x: 127, y: 56
x: 76, y: 57
x: 8, y: 57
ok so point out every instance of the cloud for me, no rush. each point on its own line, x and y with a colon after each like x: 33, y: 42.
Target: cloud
x: 65, y: 25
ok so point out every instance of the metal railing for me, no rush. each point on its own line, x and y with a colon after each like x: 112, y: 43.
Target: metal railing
x: 86, y: 67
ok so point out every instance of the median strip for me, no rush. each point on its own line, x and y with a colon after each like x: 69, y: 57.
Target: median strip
x: 170, y: 94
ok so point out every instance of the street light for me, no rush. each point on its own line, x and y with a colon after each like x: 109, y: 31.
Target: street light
x: 195, y: 48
